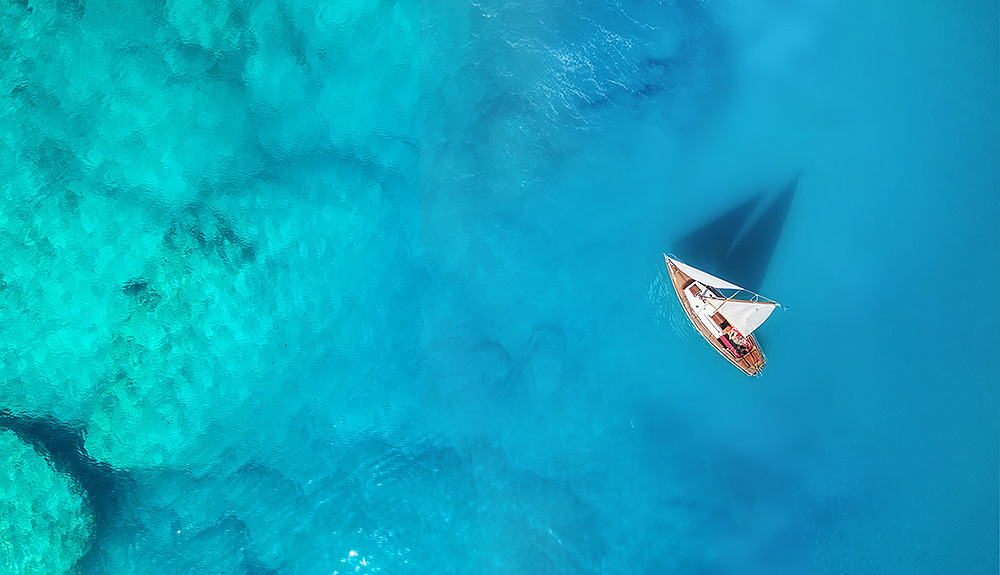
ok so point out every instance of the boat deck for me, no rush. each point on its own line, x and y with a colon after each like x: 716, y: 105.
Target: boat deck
x: 713, y: 327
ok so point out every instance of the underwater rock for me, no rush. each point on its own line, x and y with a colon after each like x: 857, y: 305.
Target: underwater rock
x: 47, y: 523
x: 142, y: 117
x: 546, y: 363
x: 213, y: 25
x: 64, y: 265
x: 254, y: 295
x: 62, y: 444
x: 304, y: 67
x: 180, y: 355
x: 144, y: 296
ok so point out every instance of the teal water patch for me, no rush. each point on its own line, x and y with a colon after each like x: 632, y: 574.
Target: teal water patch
x: 332, y: 516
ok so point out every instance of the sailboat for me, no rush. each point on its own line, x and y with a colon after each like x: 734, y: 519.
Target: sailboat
x: 727, y: 322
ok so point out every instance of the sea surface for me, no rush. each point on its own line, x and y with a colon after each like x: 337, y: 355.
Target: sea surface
x: 376, y: 286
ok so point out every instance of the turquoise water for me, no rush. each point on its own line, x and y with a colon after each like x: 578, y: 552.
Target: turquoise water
x: 376, y: 287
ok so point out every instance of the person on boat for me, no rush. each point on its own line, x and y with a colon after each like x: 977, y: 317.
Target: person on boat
x: 741, y: 342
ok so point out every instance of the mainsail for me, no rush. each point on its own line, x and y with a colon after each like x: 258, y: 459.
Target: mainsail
x: 716, y: 315
x: 705, y: 278
x: 744, y: 315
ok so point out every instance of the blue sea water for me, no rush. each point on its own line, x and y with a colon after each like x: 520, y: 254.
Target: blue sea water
x: 377, y: 287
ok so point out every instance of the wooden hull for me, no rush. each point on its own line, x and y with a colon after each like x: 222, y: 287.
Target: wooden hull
x: 751, y: 363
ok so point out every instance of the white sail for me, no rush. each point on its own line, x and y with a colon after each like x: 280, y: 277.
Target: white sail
x: 745, y: 316
x: 705, y: 278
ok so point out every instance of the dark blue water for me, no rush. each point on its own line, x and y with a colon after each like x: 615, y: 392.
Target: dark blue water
x: 377, y: 287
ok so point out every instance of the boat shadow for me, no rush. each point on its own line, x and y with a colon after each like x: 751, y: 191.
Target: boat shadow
x: 738, y: 244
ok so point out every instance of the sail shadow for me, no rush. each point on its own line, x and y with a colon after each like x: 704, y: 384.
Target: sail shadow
x: 739, y: 243
x: 709, y: 246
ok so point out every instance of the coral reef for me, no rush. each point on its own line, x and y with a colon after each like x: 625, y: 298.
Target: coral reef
x: 45, y: 521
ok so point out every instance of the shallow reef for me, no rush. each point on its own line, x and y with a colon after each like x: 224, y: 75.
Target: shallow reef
x: 47, y: 522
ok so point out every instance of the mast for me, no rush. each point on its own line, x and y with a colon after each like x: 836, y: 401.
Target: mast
x: 746, y: 315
